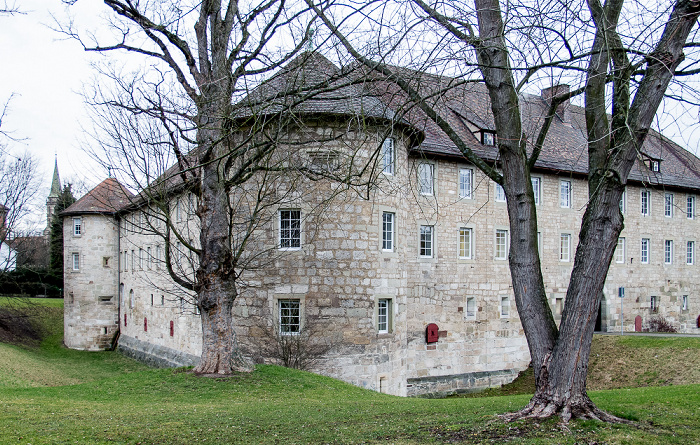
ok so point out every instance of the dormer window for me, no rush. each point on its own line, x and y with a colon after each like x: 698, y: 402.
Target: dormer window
x: 654, y: 165
x: 488, y: 138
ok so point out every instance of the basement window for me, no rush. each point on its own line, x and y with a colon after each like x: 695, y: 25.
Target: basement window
x: 105, y: 300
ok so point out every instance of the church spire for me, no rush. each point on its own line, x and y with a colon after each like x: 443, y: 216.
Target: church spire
x: 56, y: 182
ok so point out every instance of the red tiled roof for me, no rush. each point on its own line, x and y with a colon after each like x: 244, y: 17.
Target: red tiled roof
x: 107, y: 198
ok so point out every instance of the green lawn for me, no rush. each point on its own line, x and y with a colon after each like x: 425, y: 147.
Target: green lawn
x: 50, y: 395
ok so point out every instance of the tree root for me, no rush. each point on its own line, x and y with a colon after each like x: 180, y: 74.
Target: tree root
x: 540, y: 409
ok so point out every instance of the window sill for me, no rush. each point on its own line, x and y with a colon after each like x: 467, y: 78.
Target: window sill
x: 382, y: 335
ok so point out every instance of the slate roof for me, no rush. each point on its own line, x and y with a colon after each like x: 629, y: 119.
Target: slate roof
x: 107, y: 198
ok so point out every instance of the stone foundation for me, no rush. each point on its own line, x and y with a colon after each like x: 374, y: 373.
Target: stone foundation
x: 442, y: 386
x: 154, y: 355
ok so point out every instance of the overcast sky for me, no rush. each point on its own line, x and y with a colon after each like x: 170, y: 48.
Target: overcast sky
x: 46, y: 74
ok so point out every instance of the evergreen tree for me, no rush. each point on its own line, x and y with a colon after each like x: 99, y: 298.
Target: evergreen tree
x: 65, y: 199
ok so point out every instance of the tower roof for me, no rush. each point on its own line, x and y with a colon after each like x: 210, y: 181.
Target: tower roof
x: 107, y: 198
x: 56, y: 182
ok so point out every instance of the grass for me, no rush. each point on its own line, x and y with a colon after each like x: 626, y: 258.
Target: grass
x: 120, y: 401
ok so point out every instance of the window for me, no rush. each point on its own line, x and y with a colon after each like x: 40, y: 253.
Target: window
x: 388, y: 232
x: 465, y: 183
x: 653, y: 304
x: 178, y: 209
x: 162, y: 300
x: 76, y: 260
x: 668, y: 205
x: 290, y: 229
x: 565, y: 194
x: 488, y: 138
x: 565, y: 247
x: 149, y: 258
x: 500, y: 194
x: 646, y: 202
x: 537, y: 189
x: 690, y: 206
x: 151, y: 299
x: 559, y: 306
x: 426, y: 241
x: 623, y: 202
x: 196, y: 309
x: 668, y: 251
x: 684, y: 303
x: 654, y: 165
x: 465, y: 243
x: 131, y: 299
x: 645, y: 251
x: 290, y: 316
x: 471, y: 307
x: 159, y: 256
x: 620, y: 250
x: 105, y: 261
x: 140, y: 259
x: 133, y: 261
x: 425, y: 178
x: 690, y: 252
x: 77, y: 226
x: 126, y: 261
x: 505, y: 306
x: 388, y: 156
x: 501, y: 252
x: 384, y: 315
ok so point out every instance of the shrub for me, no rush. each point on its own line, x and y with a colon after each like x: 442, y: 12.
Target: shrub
x: 660, y: 324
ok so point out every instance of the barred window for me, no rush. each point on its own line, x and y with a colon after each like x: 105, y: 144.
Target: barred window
x: 290, y: 316
x: 290, y: 229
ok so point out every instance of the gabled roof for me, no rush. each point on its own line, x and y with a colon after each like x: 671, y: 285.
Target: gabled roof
x: 107, y: 198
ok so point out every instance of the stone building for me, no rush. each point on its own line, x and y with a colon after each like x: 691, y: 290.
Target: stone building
x: 424, y: 251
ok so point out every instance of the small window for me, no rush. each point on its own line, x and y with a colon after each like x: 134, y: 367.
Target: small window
x: 668, y: 205
x: 76, y: 260
x: 141, y: 259
x: 131, y: 299
x: 77, y: 226
x: 465, y: 243
x: 149, y: 258
x: 426, y: 178
x: 162, y: 300
x: 159, y: 256
x: 565, y: 247
x: 684, y: 303
x: 620, y: 250
x: 668, y: 251
x: 645, y: 250
x: 623, y: 202
x: 151, y: 299
x: 500, y: 193
x: 559, y: 306
x: 178, y: 209
x: 488, y: 138
x: 290, y: 316
x: 388, y: 158
x: 105, y: 300
x: 537, y: 189
x: 290, y: 229
x: 384, y: 315
x: 645, y: 203
x: 106, y: 261
x: 653, y: 304
x: 690, y: 207
x: 466, y: 176
x: 196, y: 309
x: 565, y: 194
x: 505, y: 306
x: 501, y: 251
x: 690, y: 253
x: 388, y: 232
x: 654, y: 166
x: 471, y: 307
x: 426, y: 241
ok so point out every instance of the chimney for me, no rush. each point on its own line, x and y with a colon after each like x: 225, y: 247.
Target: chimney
x: 553, y: 91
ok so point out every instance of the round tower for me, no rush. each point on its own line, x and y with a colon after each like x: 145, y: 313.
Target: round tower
x: 91, y: 267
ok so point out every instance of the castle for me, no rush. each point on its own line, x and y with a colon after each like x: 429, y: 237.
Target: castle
x: 427, y: 247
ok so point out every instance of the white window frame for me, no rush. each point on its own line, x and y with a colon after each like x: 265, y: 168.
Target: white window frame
x: 620, y: 250
x: 501, y: 240
x: 537, y: 189
x: 466, y: 182
x: 505, y: 307
x: 289, y: 316
x: 654, y: 303
x: 75, y: 261
x: 149, y: 258
x: 645, y: 202
x: 384, y: 315
x: 565, y: 247
x: 668, y: 251
x: 426, y: 241
x: 684, y: 303
x: 470, y: 310
x: 77, y: 226
x: 668, y: 205
x: 690, y: 253
x: 289, y: 236
x: 623, y: 202
x: 690, y: 207
x: 565, y: 194
x: 645, y: 250
x: 388, y: 156
x: 388, y: 231
x: 499, y: 193
x: 464, y: 245
x: 426, y: 178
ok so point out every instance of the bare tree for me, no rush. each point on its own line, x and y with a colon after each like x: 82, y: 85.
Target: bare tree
x: 192, y: 135
x: 623, y: 59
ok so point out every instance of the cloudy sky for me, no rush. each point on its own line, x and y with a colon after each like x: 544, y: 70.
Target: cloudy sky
x: 44, y: 74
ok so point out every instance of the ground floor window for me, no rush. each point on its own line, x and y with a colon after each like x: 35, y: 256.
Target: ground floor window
x: 384, y: 315
x: 290, y: 316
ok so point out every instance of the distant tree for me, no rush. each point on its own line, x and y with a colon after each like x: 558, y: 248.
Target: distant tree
x: 65, y: 199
